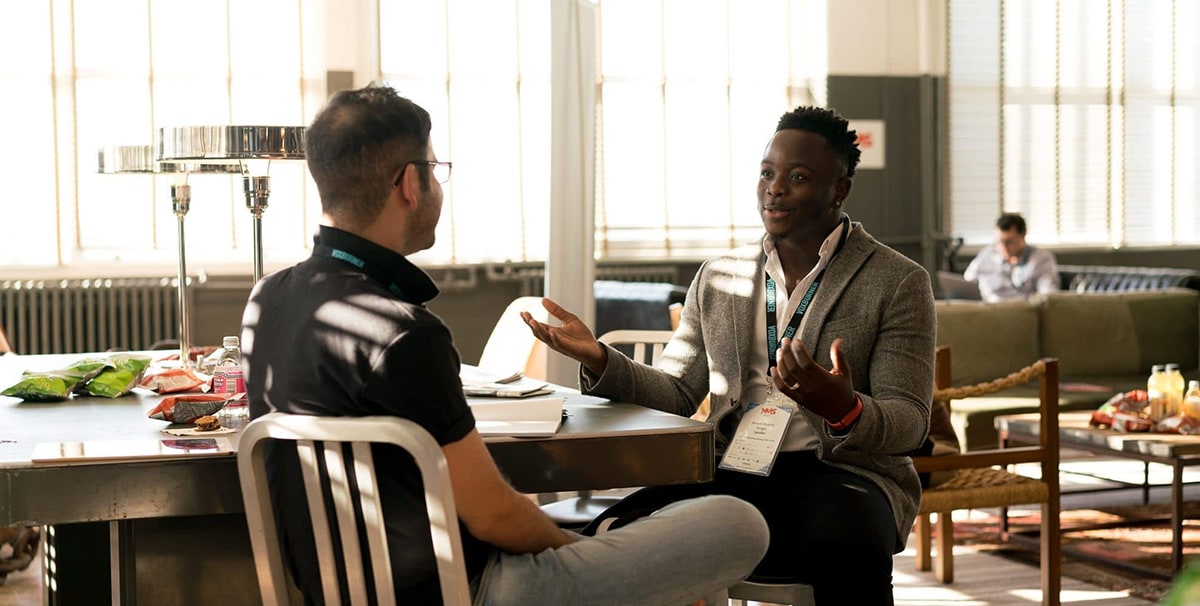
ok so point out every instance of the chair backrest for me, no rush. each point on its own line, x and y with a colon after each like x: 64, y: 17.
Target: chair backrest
x: 334, y: 433
x: 512, y: 346
x: 647, y: 345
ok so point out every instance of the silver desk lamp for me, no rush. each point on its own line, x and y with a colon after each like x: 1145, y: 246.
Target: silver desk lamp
x: 135, y: 159
x: 236, y: 145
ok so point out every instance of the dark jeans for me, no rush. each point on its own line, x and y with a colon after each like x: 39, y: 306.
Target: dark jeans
x: 830, y: 528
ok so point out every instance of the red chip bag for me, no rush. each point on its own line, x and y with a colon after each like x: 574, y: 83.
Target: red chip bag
x: 185, y: 409
x: 173, y: 380
x: 1128, y: 422
x: 1180, y: 424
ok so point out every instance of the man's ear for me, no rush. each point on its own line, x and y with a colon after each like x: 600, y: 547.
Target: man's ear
x: 410, y: 186
x: 842, y: 189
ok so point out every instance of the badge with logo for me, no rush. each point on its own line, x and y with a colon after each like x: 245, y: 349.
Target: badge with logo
x: 759, y: 436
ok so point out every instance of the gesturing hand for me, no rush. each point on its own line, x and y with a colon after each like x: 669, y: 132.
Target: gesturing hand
x: 799, y: 377
x: 573, y: 339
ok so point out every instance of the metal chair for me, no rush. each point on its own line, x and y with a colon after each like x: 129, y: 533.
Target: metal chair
x: 578, y: 511
x: 349, y: 438
x: 793, y: 594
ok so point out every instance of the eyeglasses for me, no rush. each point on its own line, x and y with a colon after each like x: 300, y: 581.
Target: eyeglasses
x: 441, y: 170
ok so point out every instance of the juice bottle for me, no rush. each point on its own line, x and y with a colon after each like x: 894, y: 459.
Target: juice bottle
x: 1155, y: 388
x: 1191, y: 402
x: 1174, y: 389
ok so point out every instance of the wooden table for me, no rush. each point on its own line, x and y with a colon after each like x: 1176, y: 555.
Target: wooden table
x: 1175, y: 451
x: 159, y: 523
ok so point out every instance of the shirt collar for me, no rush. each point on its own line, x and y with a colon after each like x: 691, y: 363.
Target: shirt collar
x: 824, y: 254
x: 416, y: 285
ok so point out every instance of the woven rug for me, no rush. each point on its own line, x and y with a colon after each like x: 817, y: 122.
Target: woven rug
x: 1145, y: 545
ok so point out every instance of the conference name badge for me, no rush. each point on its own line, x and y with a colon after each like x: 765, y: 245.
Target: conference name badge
x: 759, y: 436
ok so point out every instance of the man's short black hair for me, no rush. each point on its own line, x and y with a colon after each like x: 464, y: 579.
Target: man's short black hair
x: 358, y: 143
x: 829, y: 124
x: 1009, y: 221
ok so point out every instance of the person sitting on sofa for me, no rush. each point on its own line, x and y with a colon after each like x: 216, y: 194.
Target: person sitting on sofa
x: 1012, y: 269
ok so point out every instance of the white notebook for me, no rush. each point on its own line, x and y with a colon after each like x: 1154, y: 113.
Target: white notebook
x: 528, y: 417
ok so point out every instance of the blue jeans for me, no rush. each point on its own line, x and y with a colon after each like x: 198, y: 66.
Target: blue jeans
x: 686, y: 551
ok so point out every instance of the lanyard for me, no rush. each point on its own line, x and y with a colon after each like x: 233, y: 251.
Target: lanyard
x: 341, y: 255
x: 794, y: 325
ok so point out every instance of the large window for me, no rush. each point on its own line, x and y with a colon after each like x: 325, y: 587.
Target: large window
x: 688, y: 93
x: 1082, y: 115
x: 79, y: 76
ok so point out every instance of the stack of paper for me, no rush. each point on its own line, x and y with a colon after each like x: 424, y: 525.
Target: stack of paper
x: 473, y: 375
x: 529, y: 417
x: 480, y: 383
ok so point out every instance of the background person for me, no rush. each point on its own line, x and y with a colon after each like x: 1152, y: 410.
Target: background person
x: 347, y: 333
x: 855, y: 381
x: 1011, y: 269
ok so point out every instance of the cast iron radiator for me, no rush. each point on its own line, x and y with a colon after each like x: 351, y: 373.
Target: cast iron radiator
x: 76, y: 316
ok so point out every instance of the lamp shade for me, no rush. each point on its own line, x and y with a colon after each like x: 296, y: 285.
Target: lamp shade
x: 223, y: 144
x: 134, y: 159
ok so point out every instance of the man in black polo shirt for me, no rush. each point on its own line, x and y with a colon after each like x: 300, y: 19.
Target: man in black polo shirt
x: 346, y: 333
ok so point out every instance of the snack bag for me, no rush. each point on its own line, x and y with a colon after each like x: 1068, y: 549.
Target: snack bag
x: 1131, y: 423
x: 125, y: 372
x: 85, y: 370
x: 55, y: 385
x: 174, y: 380
x: 1180, y: 424
x: 186, y: 409
x: 1132, y: 402
x: 41, y: 387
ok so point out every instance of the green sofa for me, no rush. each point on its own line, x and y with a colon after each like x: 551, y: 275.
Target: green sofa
x: 1101, y: 339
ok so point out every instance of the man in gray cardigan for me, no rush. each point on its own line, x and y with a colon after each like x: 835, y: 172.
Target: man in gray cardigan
x: 847, y: 361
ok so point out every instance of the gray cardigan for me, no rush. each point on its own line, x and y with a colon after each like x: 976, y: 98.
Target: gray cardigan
x: 878, y: 301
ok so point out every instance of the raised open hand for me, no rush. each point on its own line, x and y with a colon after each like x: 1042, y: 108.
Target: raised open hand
x: 827, y: 393
x: 573, y: 339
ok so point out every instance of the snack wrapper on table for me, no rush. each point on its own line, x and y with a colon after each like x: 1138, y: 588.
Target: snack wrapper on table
x: 1132, y: 402
x: 188, y: 408
x: 175, y: 380
x: 56, y: 385
x: 41, y: 387
x: 118, y: 378
x: 1180, y: 424
x: 1131, y: 423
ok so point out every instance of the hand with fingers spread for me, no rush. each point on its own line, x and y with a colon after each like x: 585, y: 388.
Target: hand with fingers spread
x: 799, y: 377
x: 573, y: 339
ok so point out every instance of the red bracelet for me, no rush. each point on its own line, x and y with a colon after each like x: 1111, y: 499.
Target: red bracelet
x: 850, y: 417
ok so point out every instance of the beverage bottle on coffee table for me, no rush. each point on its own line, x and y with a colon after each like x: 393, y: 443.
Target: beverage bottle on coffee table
x: 1174, y: 389
x: 1156, y: 401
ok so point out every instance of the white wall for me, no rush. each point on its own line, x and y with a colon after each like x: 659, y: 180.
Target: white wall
x: 886, y: 37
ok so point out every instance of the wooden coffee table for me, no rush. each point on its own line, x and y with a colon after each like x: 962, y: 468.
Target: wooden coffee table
x: 1176, y: 451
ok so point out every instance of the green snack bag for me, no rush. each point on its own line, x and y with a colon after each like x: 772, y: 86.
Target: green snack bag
x: 84, y: 370
x: 122, y: 375
x: 41, y: 387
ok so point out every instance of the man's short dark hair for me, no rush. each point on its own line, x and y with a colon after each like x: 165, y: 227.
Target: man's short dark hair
x: 829, y: 124
x: 356, y: 146
x: 1009, y: 221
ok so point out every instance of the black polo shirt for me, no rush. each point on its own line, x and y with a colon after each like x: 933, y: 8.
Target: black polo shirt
x: 347, y: 333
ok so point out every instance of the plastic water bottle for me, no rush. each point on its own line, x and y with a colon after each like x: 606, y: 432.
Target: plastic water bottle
x: 228, y: 378
x: 1156, y: 392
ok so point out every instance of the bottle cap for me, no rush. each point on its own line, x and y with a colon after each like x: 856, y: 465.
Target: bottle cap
x: 1171, y: 367
x: 1193, y: 384
x: 1155, y: 368
x: 230, y: 342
